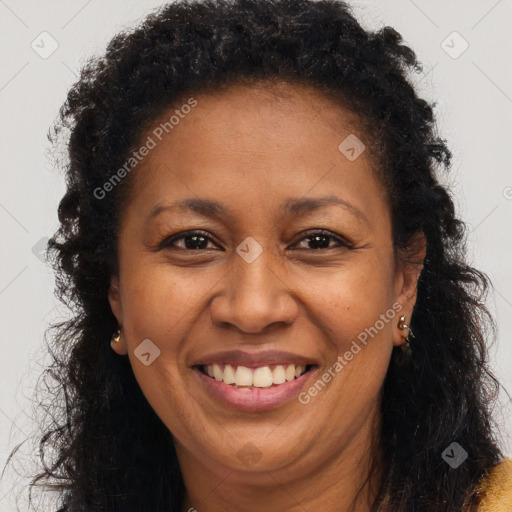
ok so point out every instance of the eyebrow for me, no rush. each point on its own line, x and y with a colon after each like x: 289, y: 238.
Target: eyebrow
x: 214, y: 209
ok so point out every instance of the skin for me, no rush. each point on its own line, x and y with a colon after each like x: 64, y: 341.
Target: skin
x: 252, y: 148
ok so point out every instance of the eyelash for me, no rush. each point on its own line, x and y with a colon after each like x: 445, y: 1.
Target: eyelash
x: 168, y: 242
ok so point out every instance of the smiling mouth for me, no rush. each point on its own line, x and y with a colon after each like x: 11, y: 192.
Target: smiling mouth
x: 262, y: 377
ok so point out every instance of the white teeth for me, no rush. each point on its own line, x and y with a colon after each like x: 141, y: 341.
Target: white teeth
x: 261, y: 377
x: 229, y: 375
x: 217, y: 372
x: 299, y: 370
x: 243, y: 376
x: 278, y: 375
x: 290, y: 372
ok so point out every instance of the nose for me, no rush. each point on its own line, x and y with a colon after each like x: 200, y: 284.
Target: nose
x: 255, y: 297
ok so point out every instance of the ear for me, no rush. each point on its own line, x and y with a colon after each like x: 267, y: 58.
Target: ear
x: 114, y: 298
x: 409, y: 269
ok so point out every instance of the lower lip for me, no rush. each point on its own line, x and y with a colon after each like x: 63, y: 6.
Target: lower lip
x: 255, y: 399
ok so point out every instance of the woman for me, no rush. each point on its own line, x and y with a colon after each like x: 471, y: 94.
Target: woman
x: 253, y: 220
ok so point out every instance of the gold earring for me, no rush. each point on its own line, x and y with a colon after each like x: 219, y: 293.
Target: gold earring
x: 406, y: 347
x: 402, y: 324
x: 116, y: 337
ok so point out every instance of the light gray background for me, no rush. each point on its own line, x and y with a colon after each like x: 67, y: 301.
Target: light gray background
x: 474, y: 111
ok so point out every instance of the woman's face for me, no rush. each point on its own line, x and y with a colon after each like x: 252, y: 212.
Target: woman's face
x: 259, y: 287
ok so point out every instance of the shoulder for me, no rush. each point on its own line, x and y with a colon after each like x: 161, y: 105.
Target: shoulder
x: 496, y: 488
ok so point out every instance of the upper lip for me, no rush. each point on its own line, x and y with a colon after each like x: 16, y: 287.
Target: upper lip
x: 254, y: 359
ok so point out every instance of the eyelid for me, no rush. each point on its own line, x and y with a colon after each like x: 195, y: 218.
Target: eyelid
x: 319, y: 231
x: 342, y: 241
x: 167, y: 242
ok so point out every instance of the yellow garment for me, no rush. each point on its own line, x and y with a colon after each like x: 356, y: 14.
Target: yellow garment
x: 496, y: 488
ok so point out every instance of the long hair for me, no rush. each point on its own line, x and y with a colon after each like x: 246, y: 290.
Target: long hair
x: 111, y: 451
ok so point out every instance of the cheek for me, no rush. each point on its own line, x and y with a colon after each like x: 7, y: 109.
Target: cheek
x: 158, y: 301
x: 358, y: 325
x: 167, y: 396
x: 357, y: 318
x: 352, y: 300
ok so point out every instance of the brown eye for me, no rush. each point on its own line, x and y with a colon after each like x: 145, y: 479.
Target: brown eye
x: 321, y: 239
x: 198, y: 241
x: 193, y: 241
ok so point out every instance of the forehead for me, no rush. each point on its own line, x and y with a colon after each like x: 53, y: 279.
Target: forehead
x: 262, y: 141
x: 242, y: 109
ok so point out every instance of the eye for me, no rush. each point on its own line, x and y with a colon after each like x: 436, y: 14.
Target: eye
x: 320, y: 239
x: 193, y: 240
x: 198, y: 241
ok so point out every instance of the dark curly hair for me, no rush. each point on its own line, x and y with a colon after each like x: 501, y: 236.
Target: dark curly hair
x: 112, y: 452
